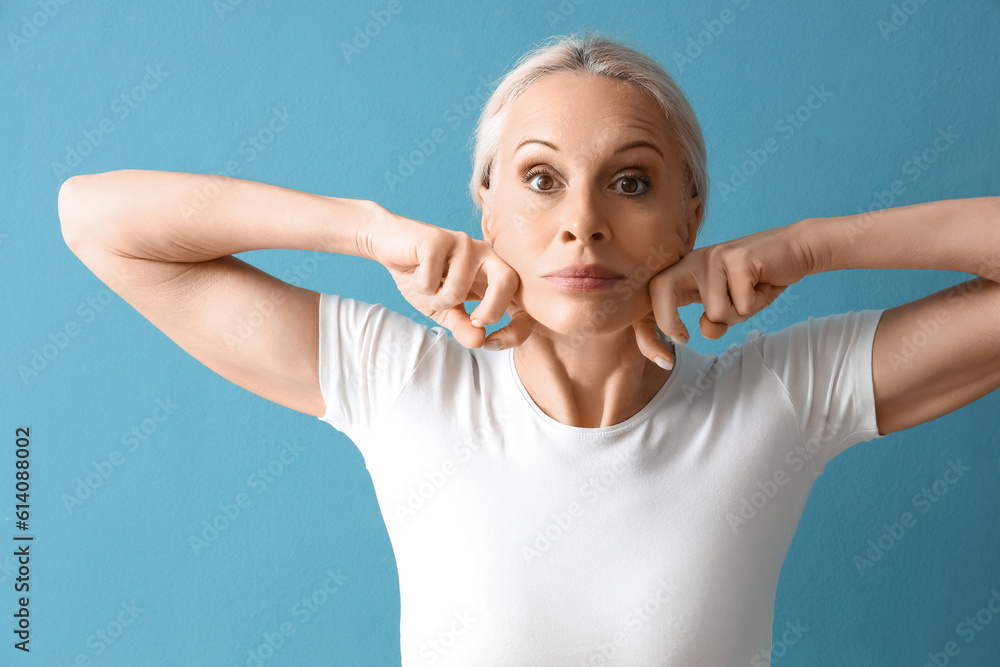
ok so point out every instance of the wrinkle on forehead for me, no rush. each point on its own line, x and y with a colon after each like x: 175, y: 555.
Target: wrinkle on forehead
x: 553, y: 107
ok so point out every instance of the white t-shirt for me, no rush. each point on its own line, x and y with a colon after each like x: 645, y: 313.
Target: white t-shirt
x: 521, y: 541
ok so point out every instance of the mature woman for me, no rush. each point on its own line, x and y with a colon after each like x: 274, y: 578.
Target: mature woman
x: 578, y: 490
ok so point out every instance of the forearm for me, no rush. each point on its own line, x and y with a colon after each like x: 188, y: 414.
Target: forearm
x: 951, y: 235
x: 182, y: 217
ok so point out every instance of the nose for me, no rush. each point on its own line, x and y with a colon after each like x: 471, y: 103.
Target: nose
x: 583, y: 219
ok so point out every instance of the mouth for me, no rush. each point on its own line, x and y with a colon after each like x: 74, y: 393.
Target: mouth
x: 584, y: 277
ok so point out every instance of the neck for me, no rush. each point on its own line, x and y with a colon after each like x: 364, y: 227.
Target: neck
x: 588, y: 382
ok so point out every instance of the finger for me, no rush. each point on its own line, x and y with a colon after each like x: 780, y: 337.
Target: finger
x: 648, y: 340
x: 665, y: 296
x: 741, y: 290
x: 715, y: 296
x: 430, y: 269
x: 457, y: 282
x: 502, y: 283
x: 711, y: 329
x: 456, y: 320
x: 762, y: 297
x: 766, y: 294
x: 515, y: 333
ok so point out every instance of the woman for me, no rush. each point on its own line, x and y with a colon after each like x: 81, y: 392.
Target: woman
x: 572, y: 489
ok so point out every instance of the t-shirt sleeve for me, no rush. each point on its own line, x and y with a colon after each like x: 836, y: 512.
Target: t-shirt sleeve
x: 367, y: 353
x: 825, y: 366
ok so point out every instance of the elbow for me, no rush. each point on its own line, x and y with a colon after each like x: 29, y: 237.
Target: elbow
x: 78, y: 208
x: 71, y: 206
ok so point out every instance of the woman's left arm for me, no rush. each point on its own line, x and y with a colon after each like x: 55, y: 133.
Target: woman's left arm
x: 939, y: 353
x: 929, y: 357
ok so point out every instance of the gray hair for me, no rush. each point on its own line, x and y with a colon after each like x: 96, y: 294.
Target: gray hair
x: 594, y: 54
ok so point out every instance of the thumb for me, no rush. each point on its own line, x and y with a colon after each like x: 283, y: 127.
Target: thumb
x: 515, y: 333
x: 649, y: 343
x: 456, y: 320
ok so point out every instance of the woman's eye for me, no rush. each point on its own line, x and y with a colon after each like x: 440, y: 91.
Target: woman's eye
x: 540, y: 181
x: 633, y: 184
x: 629, y: 185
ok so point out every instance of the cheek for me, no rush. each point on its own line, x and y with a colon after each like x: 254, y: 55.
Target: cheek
x: 656, y: 250
x: 507, y: 249
x: 521, y: 224
x: 518, y: 243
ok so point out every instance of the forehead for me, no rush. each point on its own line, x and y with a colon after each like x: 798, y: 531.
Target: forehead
x: 585, y: 112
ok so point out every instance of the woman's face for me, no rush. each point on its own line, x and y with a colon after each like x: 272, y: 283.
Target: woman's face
x: 589, y: 194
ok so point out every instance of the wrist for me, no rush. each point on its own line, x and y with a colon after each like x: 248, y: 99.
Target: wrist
x: 812, y: 238
x: 351, y: 224
x: 377, y: 219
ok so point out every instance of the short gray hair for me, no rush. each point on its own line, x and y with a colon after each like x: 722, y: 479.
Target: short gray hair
x: 590, y: 53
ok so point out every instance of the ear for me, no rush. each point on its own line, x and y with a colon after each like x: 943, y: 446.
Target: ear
x: 486, y: 201
x: 694, y: 212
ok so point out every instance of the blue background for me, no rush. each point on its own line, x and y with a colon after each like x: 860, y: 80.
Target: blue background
x: 223, y: 70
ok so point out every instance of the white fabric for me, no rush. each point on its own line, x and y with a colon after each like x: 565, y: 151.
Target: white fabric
x: 520, y: 540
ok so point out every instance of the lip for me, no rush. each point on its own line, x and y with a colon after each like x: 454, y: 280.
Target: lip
x: 583, y: 284
x: 584, y: 277
x: 585, y: 271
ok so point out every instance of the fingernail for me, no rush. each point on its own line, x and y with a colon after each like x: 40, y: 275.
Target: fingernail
x: 682, y: 339
x: 475, y: 322
x: 493, y: 346
x: 663, y: 363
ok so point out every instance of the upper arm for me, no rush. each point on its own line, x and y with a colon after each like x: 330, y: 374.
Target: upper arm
x: 246, y: 325
x: 936, y: 354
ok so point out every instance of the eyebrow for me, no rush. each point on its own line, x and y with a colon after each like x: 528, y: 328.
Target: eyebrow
x: 621, y: 149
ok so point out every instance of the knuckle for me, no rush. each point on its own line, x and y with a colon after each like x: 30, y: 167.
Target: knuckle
x: 713, y: 252
x: 437, y: 237
x: 726, y: 254
x: 730, y: 250
x: 718, y: 312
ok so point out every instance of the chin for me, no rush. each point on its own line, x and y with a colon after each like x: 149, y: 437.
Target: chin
x: 580, y: 314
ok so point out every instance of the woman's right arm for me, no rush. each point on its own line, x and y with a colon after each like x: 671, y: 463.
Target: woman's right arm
x: 164, y: 242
